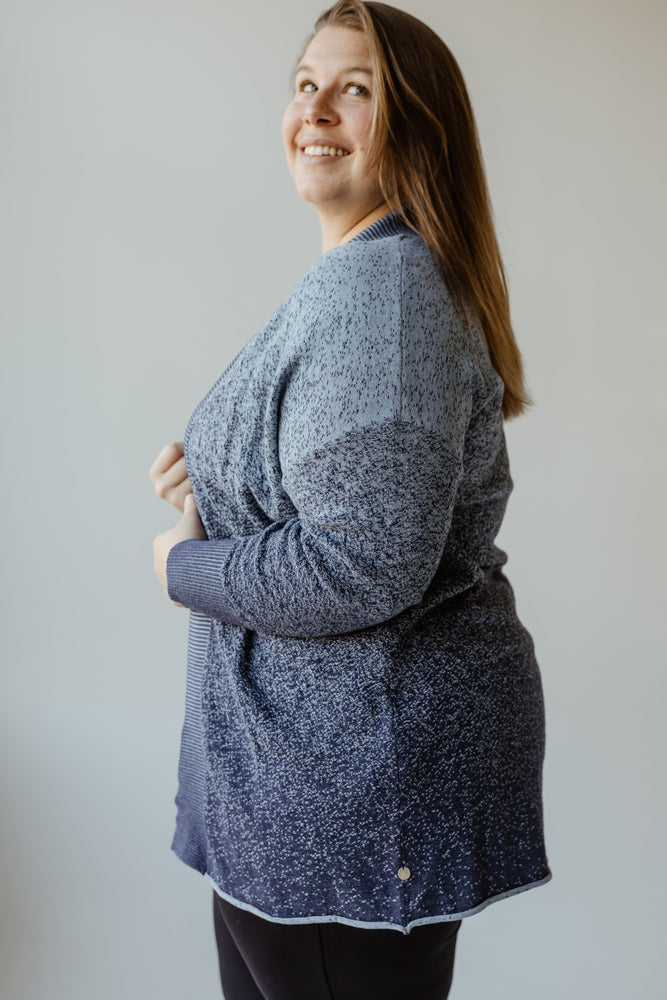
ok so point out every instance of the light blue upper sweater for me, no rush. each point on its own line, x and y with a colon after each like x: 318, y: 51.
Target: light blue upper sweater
x: 364, y: 732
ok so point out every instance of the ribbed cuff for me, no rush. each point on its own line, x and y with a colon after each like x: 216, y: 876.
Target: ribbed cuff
x: 194, y: 577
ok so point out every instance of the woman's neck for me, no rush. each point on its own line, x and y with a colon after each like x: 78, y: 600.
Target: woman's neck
x: 341, y: 229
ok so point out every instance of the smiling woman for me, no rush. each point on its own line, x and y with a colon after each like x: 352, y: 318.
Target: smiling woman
x: 326, y: 129
x: 361, y: 758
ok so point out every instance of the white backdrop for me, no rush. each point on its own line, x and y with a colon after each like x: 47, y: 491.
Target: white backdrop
x: 149, y: 226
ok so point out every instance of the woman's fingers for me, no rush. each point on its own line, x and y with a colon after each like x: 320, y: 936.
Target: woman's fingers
x: 177, y: 495
x: 169, y: 454
x: 170, y: 475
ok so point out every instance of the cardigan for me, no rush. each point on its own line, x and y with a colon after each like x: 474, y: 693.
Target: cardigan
x: 364, y: 733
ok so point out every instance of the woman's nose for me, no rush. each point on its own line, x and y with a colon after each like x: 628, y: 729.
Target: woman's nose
x: 318, y: 109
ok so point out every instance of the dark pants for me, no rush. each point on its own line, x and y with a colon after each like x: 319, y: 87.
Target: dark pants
x: 264, y: 960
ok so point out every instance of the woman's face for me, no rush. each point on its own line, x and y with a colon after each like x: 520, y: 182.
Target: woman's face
x: 332, y: 106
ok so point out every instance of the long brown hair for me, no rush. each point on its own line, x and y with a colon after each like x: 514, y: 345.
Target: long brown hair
x: 425, y: 144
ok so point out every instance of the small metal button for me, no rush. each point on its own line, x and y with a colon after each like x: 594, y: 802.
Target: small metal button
x: 403, y: 873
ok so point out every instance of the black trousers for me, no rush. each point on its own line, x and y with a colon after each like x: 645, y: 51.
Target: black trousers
x: 264, y: 960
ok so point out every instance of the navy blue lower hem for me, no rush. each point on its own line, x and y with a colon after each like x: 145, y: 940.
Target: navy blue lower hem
x: 371, y: 924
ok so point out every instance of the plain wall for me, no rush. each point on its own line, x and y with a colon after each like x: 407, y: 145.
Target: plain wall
x: 149, y: 226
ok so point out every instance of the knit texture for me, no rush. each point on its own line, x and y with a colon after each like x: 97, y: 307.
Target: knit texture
x: 364, y: 736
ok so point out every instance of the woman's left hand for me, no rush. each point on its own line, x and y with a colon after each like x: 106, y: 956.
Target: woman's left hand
x: 189, y: 526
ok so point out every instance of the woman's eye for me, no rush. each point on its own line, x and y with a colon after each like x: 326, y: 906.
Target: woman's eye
x: 363, y: 91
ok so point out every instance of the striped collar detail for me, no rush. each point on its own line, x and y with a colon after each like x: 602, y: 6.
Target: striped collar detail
x: 388, y: 225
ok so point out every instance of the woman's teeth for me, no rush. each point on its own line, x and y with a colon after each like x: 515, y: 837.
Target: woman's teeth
x: 325, y: 151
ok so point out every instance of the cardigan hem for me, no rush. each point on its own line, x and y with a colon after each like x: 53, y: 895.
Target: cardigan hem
x: 369, y: 924
x: 377, y: 924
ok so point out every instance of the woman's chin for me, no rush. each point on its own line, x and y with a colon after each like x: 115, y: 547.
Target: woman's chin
x: 318, y: 194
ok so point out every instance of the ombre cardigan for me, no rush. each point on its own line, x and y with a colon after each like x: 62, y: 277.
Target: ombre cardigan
x: 364, y: 732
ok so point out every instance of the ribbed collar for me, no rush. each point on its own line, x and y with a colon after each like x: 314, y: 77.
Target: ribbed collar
x: 388, y: 225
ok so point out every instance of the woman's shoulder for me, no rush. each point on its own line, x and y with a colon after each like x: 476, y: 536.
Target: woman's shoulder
x: 366, y: 294
x: 357, y: 263
x: 376, y: 274
x: 357, y: 283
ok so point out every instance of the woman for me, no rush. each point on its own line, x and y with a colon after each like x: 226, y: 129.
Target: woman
x: 362, y: 753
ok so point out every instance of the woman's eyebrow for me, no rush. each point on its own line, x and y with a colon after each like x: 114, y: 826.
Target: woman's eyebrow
x: 348, y: 69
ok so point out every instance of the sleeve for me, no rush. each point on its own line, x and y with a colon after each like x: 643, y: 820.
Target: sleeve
x: 373, y: 483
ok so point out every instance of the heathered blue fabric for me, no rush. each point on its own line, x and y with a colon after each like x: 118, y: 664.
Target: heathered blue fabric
x: 362, y: 696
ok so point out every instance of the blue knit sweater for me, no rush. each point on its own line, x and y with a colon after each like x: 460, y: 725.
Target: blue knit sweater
x: 364, y: 732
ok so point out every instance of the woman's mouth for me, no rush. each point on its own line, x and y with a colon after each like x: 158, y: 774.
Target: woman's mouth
x: 323, y: 154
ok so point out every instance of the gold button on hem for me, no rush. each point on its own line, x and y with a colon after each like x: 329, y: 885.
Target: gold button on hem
x: 403, y: 873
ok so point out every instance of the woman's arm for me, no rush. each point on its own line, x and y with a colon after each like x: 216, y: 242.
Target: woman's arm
x: 374, y: 514
x: 372, y: 425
